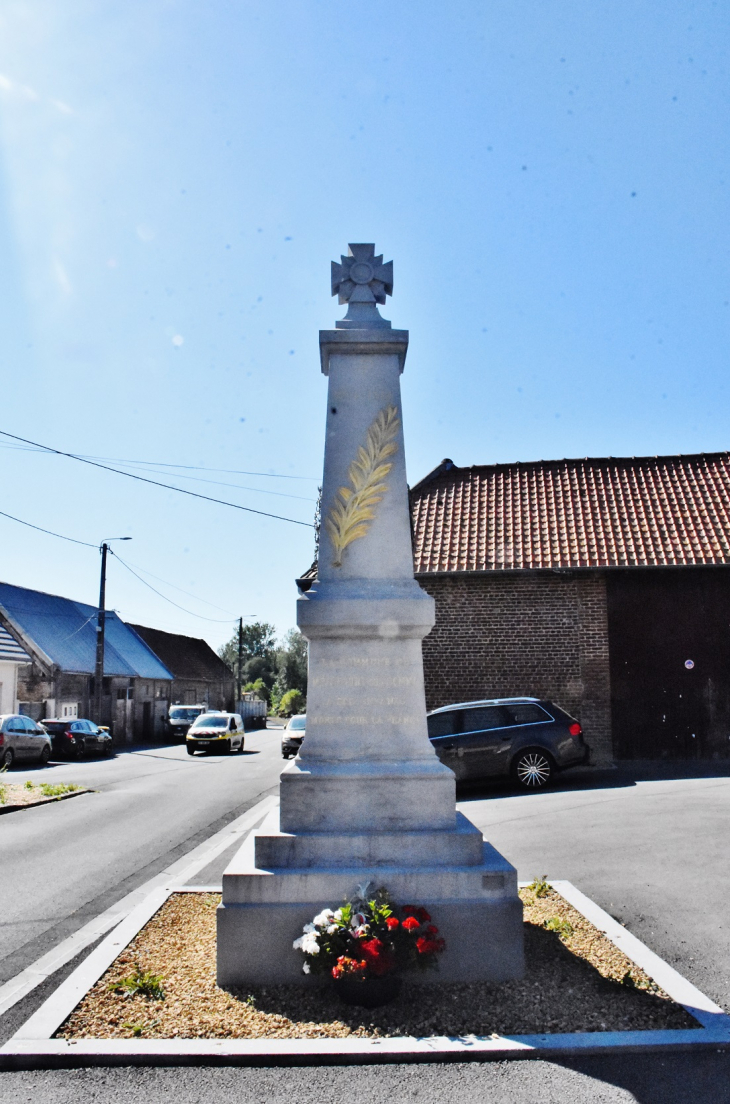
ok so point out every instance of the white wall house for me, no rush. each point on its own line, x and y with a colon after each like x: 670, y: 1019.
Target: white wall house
x: 11, y: 657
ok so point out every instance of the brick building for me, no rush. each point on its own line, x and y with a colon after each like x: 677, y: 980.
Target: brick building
x: 601, y: 584
x: 199, y: 676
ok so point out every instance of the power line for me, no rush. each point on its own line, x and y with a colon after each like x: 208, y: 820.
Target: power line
x: 174, y: 587
x: 216, y: 620
x: 153, y: 482
x: 220, y: 483
x: 168, y: 464
x: 50, y: 532
x: 87, y: 544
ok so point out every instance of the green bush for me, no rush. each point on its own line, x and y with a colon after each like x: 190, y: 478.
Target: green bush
x: 292, y: 702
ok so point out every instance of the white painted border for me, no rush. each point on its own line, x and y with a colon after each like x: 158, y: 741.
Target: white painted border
x: 32, y: 1047
x: 181, y: 870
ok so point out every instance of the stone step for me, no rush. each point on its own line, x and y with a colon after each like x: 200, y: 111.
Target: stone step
x: 277, y: 851
x: 246, y: 884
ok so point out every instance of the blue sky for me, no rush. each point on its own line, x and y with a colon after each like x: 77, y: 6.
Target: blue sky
x: 549, y: 178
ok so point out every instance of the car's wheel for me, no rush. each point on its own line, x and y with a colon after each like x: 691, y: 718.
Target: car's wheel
x: 109, y: 750
x: 532, y: 769
x: 240, y: 749
x: 45, y: 755
x: 227, y: 747
x: 191, y: 750
x: 8, y: 758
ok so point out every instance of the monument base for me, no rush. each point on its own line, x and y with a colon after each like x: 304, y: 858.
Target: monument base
x: 472, y: 897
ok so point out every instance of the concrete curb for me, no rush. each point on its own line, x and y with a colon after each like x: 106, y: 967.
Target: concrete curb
x: 180, y: 871
x: 32, y: 1047
x: 44, y: 801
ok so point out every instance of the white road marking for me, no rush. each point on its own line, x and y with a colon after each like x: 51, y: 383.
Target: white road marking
x: 177, y: 873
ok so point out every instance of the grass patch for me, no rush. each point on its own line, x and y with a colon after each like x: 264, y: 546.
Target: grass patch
x: 141, y: 983
x: 49, y: 789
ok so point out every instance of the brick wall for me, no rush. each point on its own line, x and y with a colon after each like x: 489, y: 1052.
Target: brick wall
x: 542, y: 634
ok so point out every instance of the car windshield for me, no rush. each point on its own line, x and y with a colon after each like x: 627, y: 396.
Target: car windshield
x: 183, y: 716
x: 297, y: 723
x: 207, y: 721
x: 55, y: 726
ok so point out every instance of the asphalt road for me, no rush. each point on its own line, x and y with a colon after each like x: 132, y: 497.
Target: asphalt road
x: 65, y: 862
x: 651, y: 850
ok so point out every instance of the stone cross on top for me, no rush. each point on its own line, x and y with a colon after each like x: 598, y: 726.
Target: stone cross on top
x: 362, y: 280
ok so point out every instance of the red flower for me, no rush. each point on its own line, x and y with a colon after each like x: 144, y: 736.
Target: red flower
x: 432, y: 930
x: 348, y: 966
x: 409, y: 910
x: 392, y: 923
x: 378, y: 958
x: 410, y: 923
x: 426, y: 946
x: 422, y: 915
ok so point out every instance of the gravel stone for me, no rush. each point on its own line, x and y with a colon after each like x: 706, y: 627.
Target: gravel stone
x: 576, y: 980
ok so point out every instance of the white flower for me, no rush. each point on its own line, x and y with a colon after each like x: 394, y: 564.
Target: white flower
x: 306, y: 968
x: 364, y: 929
x: 308, y: 928
x: 323, y: 918
x: 332, y: 929
x: 297, y: 944
x: 310, y: 944
x: 338, y: 914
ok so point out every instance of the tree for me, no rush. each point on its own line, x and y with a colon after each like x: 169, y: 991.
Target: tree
x: 292, y: 702
x: 291, y: 668
x: 258, y: 655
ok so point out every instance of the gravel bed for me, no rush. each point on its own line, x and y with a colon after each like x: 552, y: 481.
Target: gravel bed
x: 19, y: 795
x: 576, y: 980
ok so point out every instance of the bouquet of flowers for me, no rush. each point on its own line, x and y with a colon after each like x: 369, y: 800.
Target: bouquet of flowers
x: 369, y: 937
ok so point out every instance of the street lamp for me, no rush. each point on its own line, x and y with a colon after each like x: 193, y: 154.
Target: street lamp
x: 100, y: 623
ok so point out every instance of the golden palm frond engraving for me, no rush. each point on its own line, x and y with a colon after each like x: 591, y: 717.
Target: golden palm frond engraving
x: 350, y: 515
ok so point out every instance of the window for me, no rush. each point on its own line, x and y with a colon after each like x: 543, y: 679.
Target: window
x: 443, y: 724
x: 527, y: 714
x: 482, y: 717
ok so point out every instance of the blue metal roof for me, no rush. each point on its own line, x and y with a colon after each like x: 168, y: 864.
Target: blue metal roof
x: 66, y: 632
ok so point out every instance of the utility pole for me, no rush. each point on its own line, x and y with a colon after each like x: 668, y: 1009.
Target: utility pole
x: 240, y: 657
x: 100, y: 625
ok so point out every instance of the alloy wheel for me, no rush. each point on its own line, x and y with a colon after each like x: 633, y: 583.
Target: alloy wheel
x: 533, y: 770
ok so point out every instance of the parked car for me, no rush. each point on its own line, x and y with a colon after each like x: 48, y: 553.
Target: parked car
x: 77, y: 736
x: 180, y: 718
x: 22, y: 738
x: 527, y: 738
x: 293, y: 734
x: 219, y: 732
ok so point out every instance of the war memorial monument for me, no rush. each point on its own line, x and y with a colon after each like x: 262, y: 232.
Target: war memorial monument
x: 366, y: 799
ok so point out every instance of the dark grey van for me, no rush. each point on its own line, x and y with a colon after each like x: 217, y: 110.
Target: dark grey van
x: 527, y: 738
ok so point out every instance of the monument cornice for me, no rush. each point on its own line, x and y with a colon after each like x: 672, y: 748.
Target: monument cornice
x: 362, y: 342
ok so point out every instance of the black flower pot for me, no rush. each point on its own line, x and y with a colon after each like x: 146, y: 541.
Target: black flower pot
x: 367, y: 992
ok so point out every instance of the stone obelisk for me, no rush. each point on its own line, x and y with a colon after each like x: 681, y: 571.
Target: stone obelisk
x: 366, y: 799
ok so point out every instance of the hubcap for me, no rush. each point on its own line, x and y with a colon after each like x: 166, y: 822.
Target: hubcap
x: 533, y: 770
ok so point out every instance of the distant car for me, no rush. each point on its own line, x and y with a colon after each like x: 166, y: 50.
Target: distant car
x: 526, y: 738
x: 74, y: 737
x: 293, y: 735
x: 217, y: 732
x: 180, y: 718
x: 22, y: 739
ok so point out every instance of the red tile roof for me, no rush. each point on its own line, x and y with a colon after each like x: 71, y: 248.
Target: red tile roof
x: 652, y: 511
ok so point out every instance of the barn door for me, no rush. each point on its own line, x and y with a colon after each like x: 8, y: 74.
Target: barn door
x: 669, y: 645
